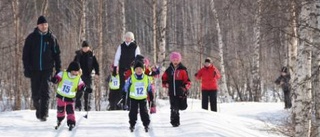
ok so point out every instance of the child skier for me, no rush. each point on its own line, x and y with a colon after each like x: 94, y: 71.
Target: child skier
x: 177, y: 80
x: 69, y: 82
x: 114, y: 92
x: 138, y: 87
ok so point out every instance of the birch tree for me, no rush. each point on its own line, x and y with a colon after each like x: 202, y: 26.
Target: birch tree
x: 256, y: 81
x: 302, y: 104
x: 316, y: 69
x: 17, y: 76
x: 162, y: 39
x: 223, y: 87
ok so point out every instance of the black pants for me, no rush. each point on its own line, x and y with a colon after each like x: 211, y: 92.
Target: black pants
x: 114, y: 98
x: 87, y: 81
x: 212, y: 95
x: 174, y: 106
x: 126, y: 99
x: 287, y: 99
x: 142, y: 104
x: 41, y: 92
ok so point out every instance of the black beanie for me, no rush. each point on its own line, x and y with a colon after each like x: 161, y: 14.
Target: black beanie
x: 85, y: 44
x: 41, y: 20
x: 138, y: 64
x: 207, y: 60
x: 73, y: 66
x: 139, y: 57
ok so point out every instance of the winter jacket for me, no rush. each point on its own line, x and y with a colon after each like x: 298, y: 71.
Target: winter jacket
x: 87, y: 62
x: 209, y: 77
x: 41, y: 52
x: 283, y: 81
x: 177, y: 79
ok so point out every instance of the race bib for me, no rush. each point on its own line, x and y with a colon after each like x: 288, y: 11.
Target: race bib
x: 66, y: 87
x: 139, y: 89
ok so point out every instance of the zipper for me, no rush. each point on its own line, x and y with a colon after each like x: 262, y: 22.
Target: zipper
x: 40, y: 58
x: 45, y: 46
x: 174, y: 81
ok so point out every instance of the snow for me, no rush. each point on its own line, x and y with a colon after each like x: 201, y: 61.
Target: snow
x: 244, y: 119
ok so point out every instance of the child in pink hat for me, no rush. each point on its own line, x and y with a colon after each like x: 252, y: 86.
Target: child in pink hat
x: 176, y: 79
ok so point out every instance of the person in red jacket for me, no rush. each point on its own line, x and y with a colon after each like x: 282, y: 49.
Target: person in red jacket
x: 176, y: 79
x: 209, y: 76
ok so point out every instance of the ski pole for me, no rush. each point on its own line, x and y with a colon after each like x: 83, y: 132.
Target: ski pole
x: 86, y: 116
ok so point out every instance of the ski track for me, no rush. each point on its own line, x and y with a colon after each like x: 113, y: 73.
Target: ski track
x: 194, y: 123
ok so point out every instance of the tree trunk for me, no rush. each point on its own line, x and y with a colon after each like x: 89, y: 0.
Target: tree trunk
x: 302, y: 107
x: 162, y: 41
x: 99, y: 56
x: 123, y: 17
x: 83, y: 21
x: 154, y: 29
x: 316, y: 71
x: 256, y: 54
x: 17, y: 77
x: 223, y: 87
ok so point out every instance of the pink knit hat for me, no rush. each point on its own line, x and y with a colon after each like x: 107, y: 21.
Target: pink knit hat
x: 175, y: 55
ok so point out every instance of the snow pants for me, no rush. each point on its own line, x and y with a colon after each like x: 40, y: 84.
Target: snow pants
x: 212, y: 95
x: 142, y: 105
x: 65, y: 106
x: 287, y: 99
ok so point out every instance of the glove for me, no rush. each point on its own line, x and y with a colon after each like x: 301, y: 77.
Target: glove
x: 54, y: 80
x: 114, y: 72
x: 27, y: 73
x: 89, y: 90
x: 184, y: 91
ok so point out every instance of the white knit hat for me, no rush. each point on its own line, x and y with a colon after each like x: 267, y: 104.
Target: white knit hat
x: 130, y: 35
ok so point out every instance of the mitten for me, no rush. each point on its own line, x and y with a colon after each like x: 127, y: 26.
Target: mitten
x: 54, y: 80
x: 89, y: 90
x: 27, y: 73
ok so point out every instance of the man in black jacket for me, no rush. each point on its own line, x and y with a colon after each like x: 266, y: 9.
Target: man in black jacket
x: 40, y: 54
x: 284, y: 81
x: 87, y: 62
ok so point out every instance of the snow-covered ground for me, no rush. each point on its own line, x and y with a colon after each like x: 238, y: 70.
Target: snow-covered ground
x: 233, y: 120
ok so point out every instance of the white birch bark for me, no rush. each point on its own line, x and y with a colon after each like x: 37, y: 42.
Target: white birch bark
x: 302, y: 107
x: 162, y: 42
x: 223, y: 86
x: 316, y: 71
x: 256, y: 81
x: 154, y: 29
x: 123, y: 17
x: 83, y: 21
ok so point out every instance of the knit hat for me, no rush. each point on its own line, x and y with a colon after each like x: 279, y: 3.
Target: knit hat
x: 207, y: 60
x: 73, y: 66
x: 41, y: 20
x: 129, y: 35
x: 85, y: 44
x: 138, y: 64
x: 175, y: 55
x: 139, y: 57
x: 284, y: 69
